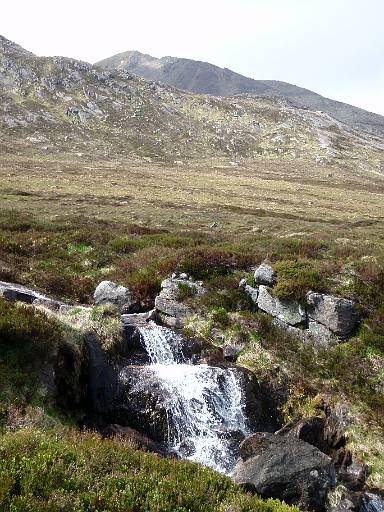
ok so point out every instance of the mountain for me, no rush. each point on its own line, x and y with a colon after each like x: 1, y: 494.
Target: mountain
x: 58, y: 105
x: 203, y: 78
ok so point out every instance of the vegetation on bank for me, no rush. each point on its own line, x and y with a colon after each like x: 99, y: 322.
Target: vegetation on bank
x: 80, y: 472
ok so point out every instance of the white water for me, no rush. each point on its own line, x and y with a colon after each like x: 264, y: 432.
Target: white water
x: 204, y: 403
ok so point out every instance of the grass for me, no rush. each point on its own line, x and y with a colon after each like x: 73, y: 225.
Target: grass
x: 80, y: 472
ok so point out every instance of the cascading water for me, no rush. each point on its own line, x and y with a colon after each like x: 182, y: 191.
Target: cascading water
x: 205, y: 404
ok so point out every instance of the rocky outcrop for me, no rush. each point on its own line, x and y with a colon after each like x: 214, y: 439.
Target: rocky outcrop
x: 169, y: 303
x: 286, y: 468
x: 288, y: 311
x: 117, y: 295
x: 321, y: 319
x: 337, y: 314
x: 264, y: 274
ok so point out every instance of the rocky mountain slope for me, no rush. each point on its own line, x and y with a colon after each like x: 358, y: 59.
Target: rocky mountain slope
x: 63, y: 106
x: 203, y: 78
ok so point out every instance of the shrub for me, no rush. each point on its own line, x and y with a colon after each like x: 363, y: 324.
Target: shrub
x: 295, y: 278
x: 81, y: 472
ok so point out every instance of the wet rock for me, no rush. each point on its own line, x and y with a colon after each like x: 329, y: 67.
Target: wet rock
x: 119, y: 296
x: 286, y: 468
x: 141, y: 402
x: 265, y: 275
x: 337, y: 314
x: 373, y: 502
x: 101, y: 383
x: 288, y: 311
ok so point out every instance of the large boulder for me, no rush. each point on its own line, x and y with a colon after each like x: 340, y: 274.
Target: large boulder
x: 264, y: 274
x: 288, y: 311
x: 108, y: 292
x: 337, y: 314
x: 169, y: 303
x: 286, y: 468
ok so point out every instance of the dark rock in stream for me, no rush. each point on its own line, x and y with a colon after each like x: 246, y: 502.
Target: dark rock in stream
x: 285, y: 468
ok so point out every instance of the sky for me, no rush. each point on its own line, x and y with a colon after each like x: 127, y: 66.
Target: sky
x: 333, y: 47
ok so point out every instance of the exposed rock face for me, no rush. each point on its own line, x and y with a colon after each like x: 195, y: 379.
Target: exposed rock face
x: 169, y: 303
x: 288, y: 311
x: 285, y: 468
x: 265, y: 275
x: 119, y: 296
x: 336, y: 314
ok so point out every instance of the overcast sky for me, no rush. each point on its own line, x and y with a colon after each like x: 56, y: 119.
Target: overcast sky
x: 334, y: 47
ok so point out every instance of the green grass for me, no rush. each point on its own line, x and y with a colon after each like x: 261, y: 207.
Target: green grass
x: 80, y: 472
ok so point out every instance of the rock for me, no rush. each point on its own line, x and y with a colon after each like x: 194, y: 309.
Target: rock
x: 139, y: 318
x: 352, y: 473
x: 17, y: 292
x: 288, y: 311
x: 231, y: 351
x: 286, y: 468
x: 101, y: 383
x: 338, y: 419
x: 51, y: 304
x: 249, y: 290
x: 139, y: 439
x: 337, y: 314
x: 373, y: 502
x: 112, y: 293
x: 310, y: 430
x: 168, y: 302
x: 141, y: 402
x: 319, y: 334
x: 265, y: 275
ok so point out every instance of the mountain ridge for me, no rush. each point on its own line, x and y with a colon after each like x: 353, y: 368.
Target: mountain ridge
x: 205, y: 78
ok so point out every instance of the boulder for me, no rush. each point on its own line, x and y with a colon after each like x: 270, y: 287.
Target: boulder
x: 285, y: 468
x: 119, y: 296
x: 337, y: 314
x: 288, y: 311
x: 169, y: 302
x: 264, y: 274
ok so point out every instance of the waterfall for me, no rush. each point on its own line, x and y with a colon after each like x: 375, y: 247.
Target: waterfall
x: 205, y: 404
